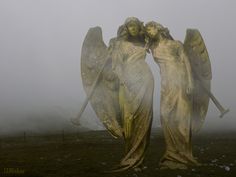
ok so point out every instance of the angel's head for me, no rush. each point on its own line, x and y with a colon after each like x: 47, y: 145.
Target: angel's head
x: 154, y: 31
x: 132, y: 27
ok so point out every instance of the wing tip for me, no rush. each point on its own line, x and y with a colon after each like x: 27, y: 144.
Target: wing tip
x: 95, y: 28
x: 94, y: 34
x: 191, y: 32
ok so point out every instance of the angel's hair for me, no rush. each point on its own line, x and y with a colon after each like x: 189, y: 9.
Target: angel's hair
x: 123, y: 30
x: 162, y: 31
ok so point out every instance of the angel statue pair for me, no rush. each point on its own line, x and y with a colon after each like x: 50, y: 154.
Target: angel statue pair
x: 119, y: 85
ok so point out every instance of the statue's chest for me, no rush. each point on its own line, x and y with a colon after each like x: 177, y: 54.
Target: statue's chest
x: 166, y: 50
x: 132, y: 48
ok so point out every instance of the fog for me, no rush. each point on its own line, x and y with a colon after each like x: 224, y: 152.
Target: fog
x: 40, y: 48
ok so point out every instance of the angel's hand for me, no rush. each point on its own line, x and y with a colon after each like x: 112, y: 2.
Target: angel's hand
x: 189, y: 89
x: 122, y: 81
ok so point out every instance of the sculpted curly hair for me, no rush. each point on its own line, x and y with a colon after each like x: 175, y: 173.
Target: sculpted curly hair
x: 164, y: 32
x: 123, y: 33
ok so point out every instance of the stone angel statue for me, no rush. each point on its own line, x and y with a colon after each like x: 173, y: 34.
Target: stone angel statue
x: 184, y: 69
x: 119, y: 85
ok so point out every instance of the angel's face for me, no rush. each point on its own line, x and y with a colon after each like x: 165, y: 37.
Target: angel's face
x: 133, y: 28
x: 151, y: 31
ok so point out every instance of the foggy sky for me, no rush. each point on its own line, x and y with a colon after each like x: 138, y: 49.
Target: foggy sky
x: 40, y: 47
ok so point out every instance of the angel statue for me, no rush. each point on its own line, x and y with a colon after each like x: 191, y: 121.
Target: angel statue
x: 135, y: 91
x: 184, y: 103
x: 119, y: 86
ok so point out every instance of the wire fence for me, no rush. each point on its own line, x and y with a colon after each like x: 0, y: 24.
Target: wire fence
x: 61, y: 136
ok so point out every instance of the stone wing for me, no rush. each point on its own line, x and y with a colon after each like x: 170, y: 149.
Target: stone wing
x: 201, y: 68
x: 104, y: 99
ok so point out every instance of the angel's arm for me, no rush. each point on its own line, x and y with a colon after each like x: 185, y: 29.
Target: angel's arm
x: 117, y: 59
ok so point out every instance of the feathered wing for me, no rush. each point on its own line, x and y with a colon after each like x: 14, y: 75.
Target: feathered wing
x: 104, y: 99
x: 201, y: 69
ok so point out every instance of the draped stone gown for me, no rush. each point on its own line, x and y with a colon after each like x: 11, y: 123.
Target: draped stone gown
x: 176, y: 106
x: 135, y: 99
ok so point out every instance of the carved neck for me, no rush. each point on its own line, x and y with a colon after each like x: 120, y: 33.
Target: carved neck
x: 134, y: 39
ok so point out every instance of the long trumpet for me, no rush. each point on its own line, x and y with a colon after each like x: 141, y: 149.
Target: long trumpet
x: 76, y: 120
x: 222, y: 110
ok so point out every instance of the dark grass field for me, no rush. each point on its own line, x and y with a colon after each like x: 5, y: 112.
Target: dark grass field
x: 88, y: 154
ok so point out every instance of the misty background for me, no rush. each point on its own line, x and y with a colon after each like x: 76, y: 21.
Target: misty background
x: 40, y: 48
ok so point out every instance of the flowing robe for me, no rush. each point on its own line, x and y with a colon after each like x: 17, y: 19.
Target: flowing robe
x: 135, y: 99
x: 176, y: 107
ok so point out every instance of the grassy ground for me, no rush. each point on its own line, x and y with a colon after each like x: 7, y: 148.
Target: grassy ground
x: 88, y: 154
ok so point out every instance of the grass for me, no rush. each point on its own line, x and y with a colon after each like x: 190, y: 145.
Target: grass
x: 88, y: 154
